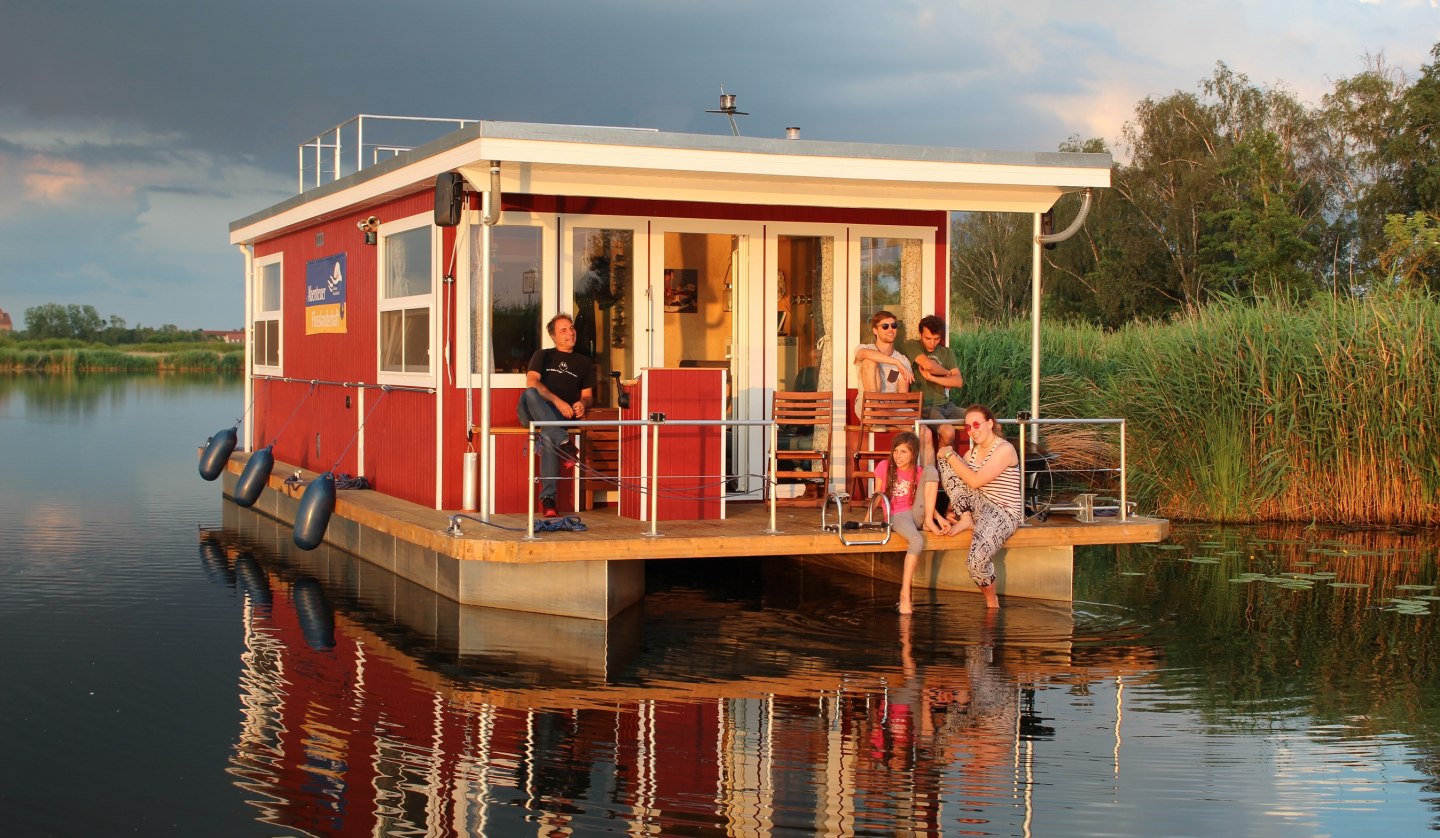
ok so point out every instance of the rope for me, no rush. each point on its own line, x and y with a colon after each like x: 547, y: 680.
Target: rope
x: 384, y: 391
x: 293, y: 413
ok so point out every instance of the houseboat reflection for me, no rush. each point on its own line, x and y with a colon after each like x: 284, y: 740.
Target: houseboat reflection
x: 792, y: 702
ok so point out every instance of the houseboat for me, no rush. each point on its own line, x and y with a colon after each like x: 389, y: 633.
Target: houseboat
x: 393, y: 305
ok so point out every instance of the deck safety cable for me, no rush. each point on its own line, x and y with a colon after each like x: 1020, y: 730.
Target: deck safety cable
x: 246, y: 412
x: 686, y: 492
x: 293, y: 413
x: 384, y: 391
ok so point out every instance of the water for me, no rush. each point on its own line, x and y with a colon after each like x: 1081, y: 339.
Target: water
x: 170, y: 666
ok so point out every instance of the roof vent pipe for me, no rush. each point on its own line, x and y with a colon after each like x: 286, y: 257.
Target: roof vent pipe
x: 492, y: 214
x: 792, y: 133
x: 1052, y: 238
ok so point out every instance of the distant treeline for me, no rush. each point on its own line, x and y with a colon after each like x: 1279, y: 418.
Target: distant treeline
x: 1236, y: 191
x: 1318, y: 411
x: 84, y: 325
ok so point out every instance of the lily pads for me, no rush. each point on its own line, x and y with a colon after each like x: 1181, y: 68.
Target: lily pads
x: 1414, y: 587
x: 1349, y: 585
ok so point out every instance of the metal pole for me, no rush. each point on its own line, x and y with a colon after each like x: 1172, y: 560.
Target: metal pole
x: 774, y: 486
x: 1037, y: 251
x: 1022, y: 424
x: 484, y: 305
x: 1124, y: 507
x: 337, y: 152
x: 654, y: 477
x: 359, y: 142
x: 530, y: 451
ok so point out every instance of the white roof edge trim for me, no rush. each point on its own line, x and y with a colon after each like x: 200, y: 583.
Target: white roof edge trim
x: 635, y: 160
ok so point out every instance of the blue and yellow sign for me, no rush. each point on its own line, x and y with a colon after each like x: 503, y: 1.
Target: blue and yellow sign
x: 325, y: 295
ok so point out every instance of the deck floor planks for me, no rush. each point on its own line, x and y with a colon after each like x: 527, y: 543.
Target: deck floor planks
x: 609, y: 536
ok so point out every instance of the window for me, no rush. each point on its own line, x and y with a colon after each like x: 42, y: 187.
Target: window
x: 517, y: 260
x: 407, y: 299
x: 265, y: 332
x: 891, y: 279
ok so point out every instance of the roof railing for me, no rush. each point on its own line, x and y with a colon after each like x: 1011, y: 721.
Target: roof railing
x: 344, y: 149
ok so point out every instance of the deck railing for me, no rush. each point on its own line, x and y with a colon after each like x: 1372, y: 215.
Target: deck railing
x: 345, y: 150
x: 1083, y: 506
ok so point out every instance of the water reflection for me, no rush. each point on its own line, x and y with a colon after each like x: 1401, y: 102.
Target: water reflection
x: 696, y: 711
x: 67, y: 397
x: 785, y: 699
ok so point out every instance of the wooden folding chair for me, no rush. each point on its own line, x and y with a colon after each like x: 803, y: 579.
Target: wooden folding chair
x: 798, y: 416
x: 882, y: 415
x: 599, y: 456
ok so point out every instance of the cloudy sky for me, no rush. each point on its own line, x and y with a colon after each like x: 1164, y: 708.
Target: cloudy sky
x: 132, y: 134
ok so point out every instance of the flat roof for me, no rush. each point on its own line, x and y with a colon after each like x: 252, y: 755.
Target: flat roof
x: 597, y: 161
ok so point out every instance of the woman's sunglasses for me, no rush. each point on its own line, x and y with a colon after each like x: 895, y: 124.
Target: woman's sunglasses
x: 976, y: 425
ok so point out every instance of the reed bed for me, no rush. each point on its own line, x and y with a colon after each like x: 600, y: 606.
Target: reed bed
x: 1321, y: 412
x: 91, y: 359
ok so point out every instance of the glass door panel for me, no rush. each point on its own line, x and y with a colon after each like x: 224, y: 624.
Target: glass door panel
x: 891, y: 279
x: 805, y: 300
x: 699, y: 278
x: 516, y: 264
x: 603, y: 262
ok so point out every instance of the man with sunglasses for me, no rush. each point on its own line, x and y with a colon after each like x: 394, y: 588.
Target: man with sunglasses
x: 939, y: 373
x: 883, y: 367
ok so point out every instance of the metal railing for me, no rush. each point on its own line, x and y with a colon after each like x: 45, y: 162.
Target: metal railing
x: 331, y: 152
x: 1083, y: 509
x: 1084, y: 506
x: 654, y: 424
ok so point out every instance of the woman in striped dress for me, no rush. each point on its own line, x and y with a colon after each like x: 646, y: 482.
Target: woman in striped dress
x: 985, y: 495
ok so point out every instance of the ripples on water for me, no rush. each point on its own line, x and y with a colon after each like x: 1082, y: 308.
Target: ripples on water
x: 1247, y: 682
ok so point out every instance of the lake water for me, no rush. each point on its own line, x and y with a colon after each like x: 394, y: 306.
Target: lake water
x: 171, y: 666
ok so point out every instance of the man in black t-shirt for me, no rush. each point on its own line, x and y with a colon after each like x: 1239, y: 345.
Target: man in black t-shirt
x: 560, y: 384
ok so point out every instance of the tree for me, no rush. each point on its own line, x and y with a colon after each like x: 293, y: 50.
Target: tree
x: 49, y: 320
x: 1357, y: 117
x: 990, y: 262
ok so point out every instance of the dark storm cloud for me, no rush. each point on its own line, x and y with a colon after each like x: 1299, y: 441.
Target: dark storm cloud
x: 131, y: 134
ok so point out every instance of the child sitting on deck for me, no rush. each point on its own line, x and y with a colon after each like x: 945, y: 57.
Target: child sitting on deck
x: 903, y: 480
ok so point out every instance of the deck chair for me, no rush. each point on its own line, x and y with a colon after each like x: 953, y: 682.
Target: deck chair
x: 797, y: 417
x: 599, y: 457
x: 881, y: 416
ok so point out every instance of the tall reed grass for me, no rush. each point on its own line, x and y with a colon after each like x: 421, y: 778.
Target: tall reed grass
x: 90, y: 359
x: 1323, y: 412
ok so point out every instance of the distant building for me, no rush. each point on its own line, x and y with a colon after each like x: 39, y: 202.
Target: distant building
x: 227, y: 335
x: 6, y: 325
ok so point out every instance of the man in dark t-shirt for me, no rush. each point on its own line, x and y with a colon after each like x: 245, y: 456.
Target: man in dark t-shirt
x: 560, y: 384
x: 939, y: 374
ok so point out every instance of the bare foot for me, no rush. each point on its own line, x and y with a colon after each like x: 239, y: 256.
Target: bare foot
x: 905, y: 607
x: 992, y: 600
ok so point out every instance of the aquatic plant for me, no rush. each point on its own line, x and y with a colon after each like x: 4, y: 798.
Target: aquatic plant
x: 1317, y: 411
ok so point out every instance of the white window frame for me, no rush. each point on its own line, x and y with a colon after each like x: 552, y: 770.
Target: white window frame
x: 267, y: 315
x: 852, y: 329
x: 414, y: 301
x: 549, y: 283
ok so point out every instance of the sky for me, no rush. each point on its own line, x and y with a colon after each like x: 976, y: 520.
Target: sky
x: 132, y: 134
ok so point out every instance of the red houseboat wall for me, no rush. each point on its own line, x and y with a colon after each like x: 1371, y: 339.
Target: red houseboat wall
x: 400, y: 439
x: 399, y: 448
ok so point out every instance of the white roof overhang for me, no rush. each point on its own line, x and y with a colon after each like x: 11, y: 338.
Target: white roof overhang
x: 628, y: 163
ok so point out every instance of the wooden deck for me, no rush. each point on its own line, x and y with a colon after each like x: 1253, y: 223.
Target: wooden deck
x: 611, y: 537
